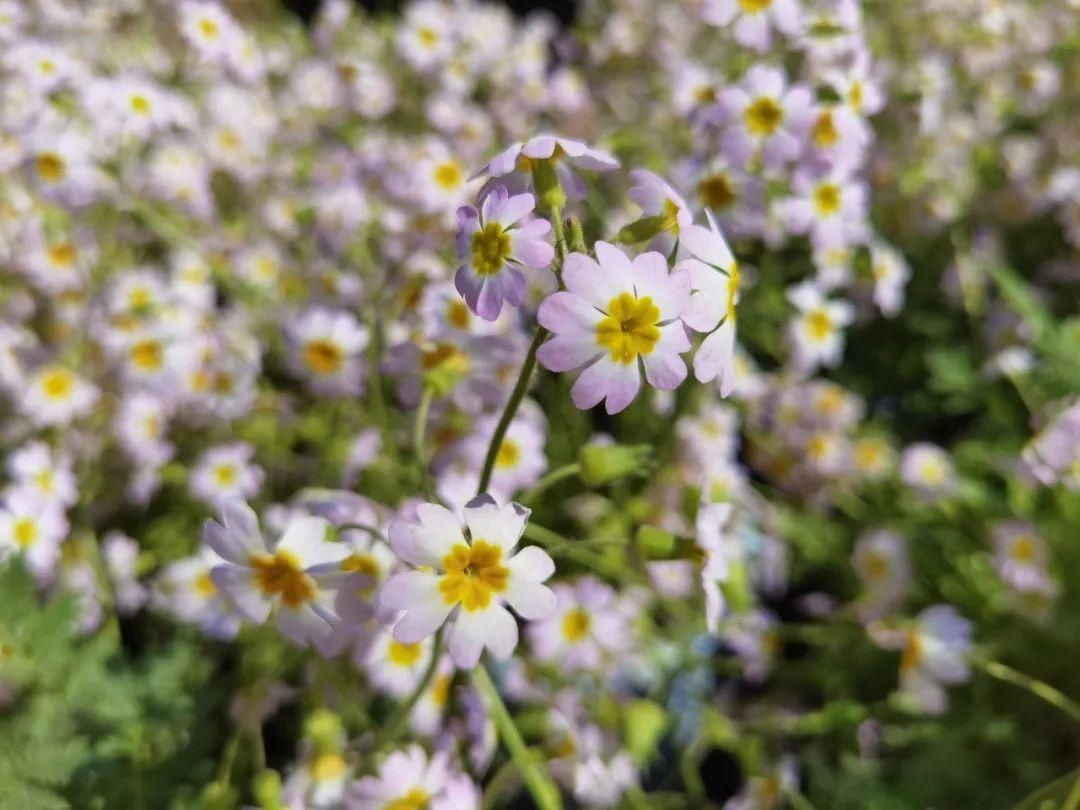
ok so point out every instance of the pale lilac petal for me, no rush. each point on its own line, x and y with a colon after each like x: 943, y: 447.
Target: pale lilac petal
x: 499, y: 525
x: 568, y: 313
x: 304, y: 625
x: 663, y: 369
x: 584, y: 277
x: 708, y: 302
x: 305, y: 537
x: 754, y: 31
x: 617, y: 382
x: 514, y: 209
x: 563, y: 353
x: 532, y: 564
x: 239, y: 588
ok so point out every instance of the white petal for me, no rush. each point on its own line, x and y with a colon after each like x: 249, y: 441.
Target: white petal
x: 499, y: 525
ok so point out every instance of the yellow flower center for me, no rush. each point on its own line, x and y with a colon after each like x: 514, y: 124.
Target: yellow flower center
x: 204, y: 586
x: 404, y: 655
x: 57, y: 383
x: 717, y: 192
x: 323, y: 356
x: 754, y: 6
x: 473, y: 574
x: 328, y: 767
x: 428, y: 36
x: 1023, y: 549
x: 824, y: 133
x: 415, y: 799
x: 508, y: 456
x: 50, y: 167
x: 732, y: 290
x: 933, y: 472
x: 446, y: 356
x: 449, y: 175
x: 440, y: 692
x: 764, y: 116
x: 62, y: 255
x: 630, y: 327
x: 913, y: 653
x: 827, y: 199
x: 855, y: 95
x: 280, y: 574
x: 26, y: 532
x: 225, y: 474
x: 457, y: 313
x: 575, y: 625
x: 44, y: 480
x: 209, y: 28
x: 876, y: 566
x: 491, y: 247
x: 819, y: 324
x: 140, y: 104
x: 362, y: 563
x: 146, y: 355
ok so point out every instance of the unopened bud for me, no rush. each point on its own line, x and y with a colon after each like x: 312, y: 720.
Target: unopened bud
x: 604, y: 463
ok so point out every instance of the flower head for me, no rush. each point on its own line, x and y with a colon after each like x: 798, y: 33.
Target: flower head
x: 615, y: 318
x: 468, y: 576
x: 494, y: 243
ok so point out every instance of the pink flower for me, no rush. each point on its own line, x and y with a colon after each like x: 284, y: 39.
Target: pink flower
x: 494, y: 243
x: 615, y: 317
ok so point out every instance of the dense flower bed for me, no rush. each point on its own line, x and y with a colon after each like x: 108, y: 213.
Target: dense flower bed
x: 451, y: 410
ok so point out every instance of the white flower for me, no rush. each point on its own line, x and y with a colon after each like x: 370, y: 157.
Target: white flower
x: 296, y: 577
x: 815, y: 332
x: 35, y: 468
x: 586, y: 627
x: 934, y: 654
x: 224, y: 473
x: 406, y: 779
x: 32, y: 527
x: 327, y: 350
x: 56, y: 395
x: 473, y: 576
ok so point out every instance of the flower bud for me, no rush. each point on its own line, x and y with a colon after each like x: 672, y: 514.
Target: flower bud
x: 266, y: 787
x: 604, y: 463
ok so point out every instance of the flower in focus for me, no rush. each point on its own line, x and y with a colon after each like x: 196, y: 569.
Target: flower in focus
x: 714, y: 281
x: 494, y: 243
x: 615, y: 318
x: 465, y: 577
x: 516, y: 162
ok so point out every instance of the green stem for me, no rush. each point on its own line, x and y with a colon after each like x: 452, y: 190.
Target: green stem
x: 543, y: 790
x: 259, y: 748
x: 1041, y: 689
x: 224, y: 776
x: 559, y: 546
x: 395, y: 724
x: 520, y: 387
x: 1072, y: 801
x: 420, y: 438
x: 549, y: 480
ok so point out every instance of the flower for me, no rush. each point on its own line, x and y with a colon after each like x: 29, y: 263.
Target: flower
x: 466, y: 577
x: 407, y: 780
x: 226, y: 472
x: 516, y: 163
x: 815, y: 333
x: 587, y: 627
x: 760, y: 117
x: 185, y: 589
x: 327, y: 350
x: 35, y: 467
x: 615, y: 316
x: 295, y: 578
x: 494, y: 243
x: 933, y: 654
x: 754, y: 19
x: 714, y: 281
x: 56, y: 395
x: 658, y: 199
x: 927, y: 469
x: 881, y: 562
x: 33, y: 527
